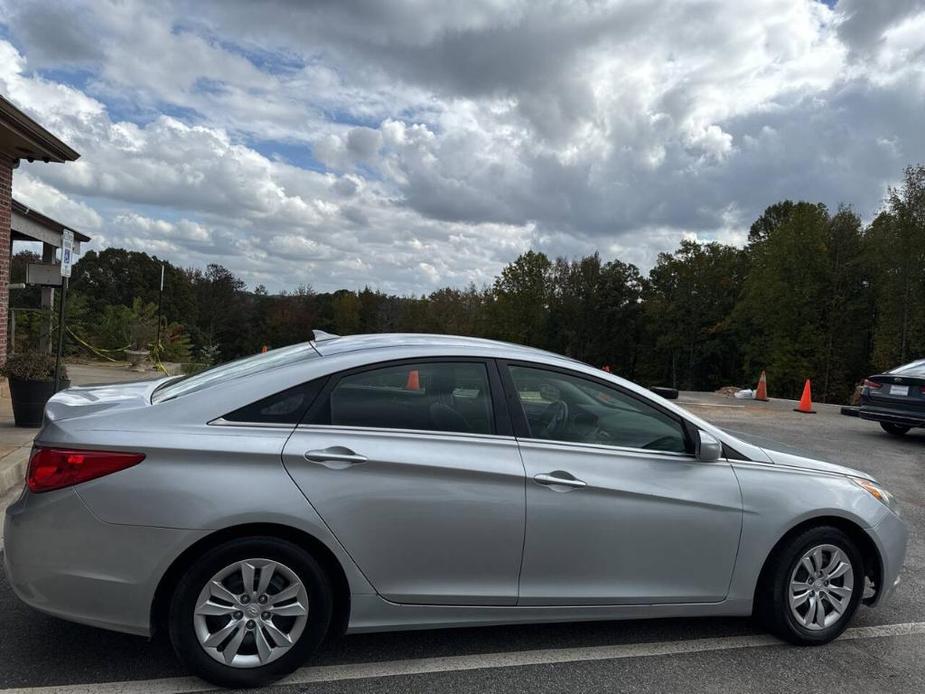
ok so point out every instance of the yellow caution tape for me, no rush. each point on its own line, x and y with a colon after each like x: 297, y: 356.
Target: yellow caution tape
x: 98, y: 351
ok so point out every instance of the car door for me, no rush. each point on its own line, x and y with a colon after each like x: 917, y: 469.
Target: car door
x: 618, y: 512
x: 414, y: 467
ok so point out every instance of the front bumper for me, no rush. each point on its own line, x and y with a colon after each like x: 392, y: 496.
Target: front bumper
x: 63, y: 560
x: 890, y: 535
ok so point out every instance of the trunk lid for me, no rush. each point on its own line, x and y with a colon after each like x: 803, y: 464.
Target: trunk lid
x: 81, y: 401
x: 897, y: 390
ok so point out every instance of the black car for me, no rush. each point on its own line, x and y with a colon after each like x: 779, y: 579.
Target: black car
x: 896, y: 398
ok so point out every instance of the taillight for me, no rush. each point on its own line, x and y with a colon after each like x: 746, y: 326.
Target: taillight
x: 872, y: 384
x: 55, y: 468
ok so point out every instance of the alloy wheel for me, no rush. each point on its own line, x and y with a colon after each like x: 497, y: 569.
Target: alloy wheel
x: 821, y: 586
x: 251, y: 613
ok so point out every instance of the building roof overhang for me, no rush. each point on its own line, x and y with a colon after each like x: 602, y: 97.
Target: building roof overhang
x: 22, y: 138
x: 29, y: 225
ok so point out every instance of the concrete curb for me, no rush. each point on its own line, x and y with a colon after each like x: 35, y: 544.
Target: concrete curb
x: 13, y: 469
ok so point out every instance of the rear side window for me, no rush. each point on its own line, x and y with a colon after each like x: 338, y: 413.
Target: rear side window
x: 914, y: 369
x: 285, y: 407
x: 437, y: 396
x: 234, y: 369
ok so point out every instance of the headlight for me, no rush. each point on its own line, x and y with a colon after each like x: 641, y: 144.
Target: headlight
x: 878, y: 492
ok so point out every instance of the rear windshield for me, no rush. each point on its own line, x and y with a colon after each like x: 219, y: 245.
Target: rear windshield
x: 234, y: 369
x: 915, y: 369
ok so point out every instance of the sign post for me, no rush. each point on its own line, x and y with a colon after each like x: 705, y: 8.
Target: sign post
x: 160, y: 296
x: 67, y: 259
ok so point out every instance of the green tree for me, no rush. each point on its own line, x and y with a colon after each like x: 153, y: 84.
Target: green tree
x: 595, y: 312
x: 689, y: 297
x: 521, y: 298
x: 772, y: 218
x: 786, y: 296
x: 848, y: 314
x: 895, y: 244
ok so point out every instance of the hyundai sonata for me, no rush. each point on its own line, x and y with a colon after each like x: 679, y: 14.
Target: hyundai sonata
x: 385, y: 482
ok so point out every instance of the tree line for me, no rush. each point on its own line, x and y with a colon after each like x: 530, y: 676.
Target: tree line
x: 813, y: 294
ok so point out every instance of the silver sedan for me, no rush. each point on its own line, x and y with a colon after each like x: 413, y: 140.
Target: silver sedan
x: 385, y: 482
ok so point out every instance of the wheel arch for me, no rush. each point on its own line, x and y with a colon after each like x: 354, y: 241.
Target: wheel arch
x: 870, y: 554
x: 341, y: 609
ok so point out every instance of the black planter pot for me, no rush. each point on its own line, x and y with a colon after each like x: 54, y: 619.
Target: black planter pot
x: 29, y: 398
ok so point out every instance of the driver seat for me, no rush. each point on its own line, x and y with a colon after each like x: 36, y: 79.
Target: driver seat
x: 443, y: 416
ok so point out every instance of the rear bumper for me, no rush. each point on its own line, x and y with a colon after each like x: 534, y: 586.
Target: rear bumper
x: 62, y: 560
x: 892, y: 415
x: 890, y: 535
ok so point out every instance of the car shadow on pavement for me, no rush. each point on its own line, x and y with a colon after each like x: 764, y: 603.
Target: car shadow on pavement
x: 40, y: 650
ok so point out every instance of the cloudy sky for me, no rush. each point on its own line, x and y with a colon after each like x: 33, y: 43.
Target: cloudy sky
x: 413, y: 144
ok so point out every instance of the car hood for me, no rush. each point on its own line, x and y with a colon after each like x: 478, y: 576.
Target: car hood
x: 782, y: 454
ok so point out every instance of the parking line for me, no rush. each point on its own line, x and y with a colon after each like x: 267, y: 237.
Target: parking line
x: 693, y: 403
x: 486, y: 661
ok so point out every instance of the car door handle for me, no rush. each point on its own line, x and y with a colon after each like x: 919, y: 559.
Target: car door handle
x: 335, y: 457
x: 559, y: 477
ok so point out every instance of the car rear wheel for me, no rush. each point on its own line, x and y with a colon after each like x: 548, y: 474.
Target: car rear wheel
x: 813, y: 587
x: 894, y: 429
x: 249, y: 612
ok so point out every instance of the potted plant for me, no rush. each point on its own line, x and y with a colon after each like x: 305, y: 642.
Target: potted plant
x: 32, y: 382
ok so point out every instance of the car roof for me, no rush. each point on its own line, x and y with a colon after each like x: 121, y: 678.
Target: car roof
x: 914, y: 368
x: 332, y: 345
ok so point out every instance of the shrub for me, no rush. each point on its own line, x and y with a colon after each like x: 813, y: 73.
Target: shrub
x: 31, y: 366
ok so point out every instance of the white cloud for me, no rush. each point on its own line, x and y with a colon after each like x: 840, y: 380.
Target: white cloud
x: 410, y: 145
x: 50, y: 201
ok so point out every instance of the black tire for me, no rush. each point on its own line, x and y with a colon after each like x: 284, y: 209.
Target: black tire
x: 183, y: 602
x: 894, y: 429
x: 773, y: 608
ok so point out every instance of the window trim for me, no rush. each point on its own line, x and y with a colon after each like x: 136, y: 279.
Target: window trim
x: 501, y: 420
x: 522, y: 427
x: 222, y: 422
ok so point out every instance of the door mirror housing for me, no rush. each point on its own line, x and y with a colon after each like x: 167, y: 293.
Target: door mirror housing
x: 708, y: 448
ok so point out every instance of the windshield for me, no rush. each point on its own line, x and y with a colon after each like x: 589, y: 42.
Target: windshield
x: 234, y: 369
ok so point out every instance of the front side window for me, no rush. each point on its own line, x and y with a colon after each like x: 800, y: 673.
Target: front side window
x: 437, y: 396
x: 563, y: 407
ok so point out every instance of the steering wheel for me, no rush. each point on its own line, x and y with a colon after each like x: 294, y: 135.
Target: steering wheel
x: 553, y: 419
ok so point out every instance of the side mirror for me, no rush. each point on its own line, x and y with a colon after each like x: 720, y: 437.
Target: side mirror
x: 708, y: 448
x: 667, y: 393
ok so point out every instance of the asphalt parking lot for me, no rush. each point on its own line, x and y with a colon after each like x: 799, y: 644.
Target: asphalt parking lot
x: 882, y: 652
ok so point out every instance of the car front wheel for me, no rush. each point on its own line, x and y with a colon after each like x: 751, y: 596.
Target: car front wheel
x: 894, y: 429
x: 249, y: 612
x: 810, y: 592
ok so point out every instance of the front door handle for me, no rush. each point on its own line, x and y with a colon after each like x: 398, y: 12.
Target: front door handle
x: 560, y: 477
x: 335, y: 457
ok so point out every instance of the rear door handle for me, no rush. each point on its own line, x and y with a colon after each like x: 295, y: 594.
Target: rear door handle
x: 335, y: 457
x: 560, y: 477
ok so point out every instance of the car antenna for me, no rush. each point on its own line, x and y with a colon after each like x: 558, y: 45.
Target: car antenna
x: 322, y: 336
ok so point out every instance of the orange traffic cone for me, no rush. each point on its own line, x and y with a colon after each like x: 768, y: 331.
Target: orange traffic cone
x: 806, y: 402
x: 414, y: 380
x: 762, y: 391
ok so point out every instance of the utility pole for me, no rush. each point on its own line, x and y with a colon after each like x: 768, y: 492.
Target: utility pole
x: 60, y: 332
x: 160, y: 296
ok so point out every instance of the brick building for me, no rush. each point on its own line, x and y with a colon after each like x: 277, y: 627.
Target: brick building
x: 20, y: 138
